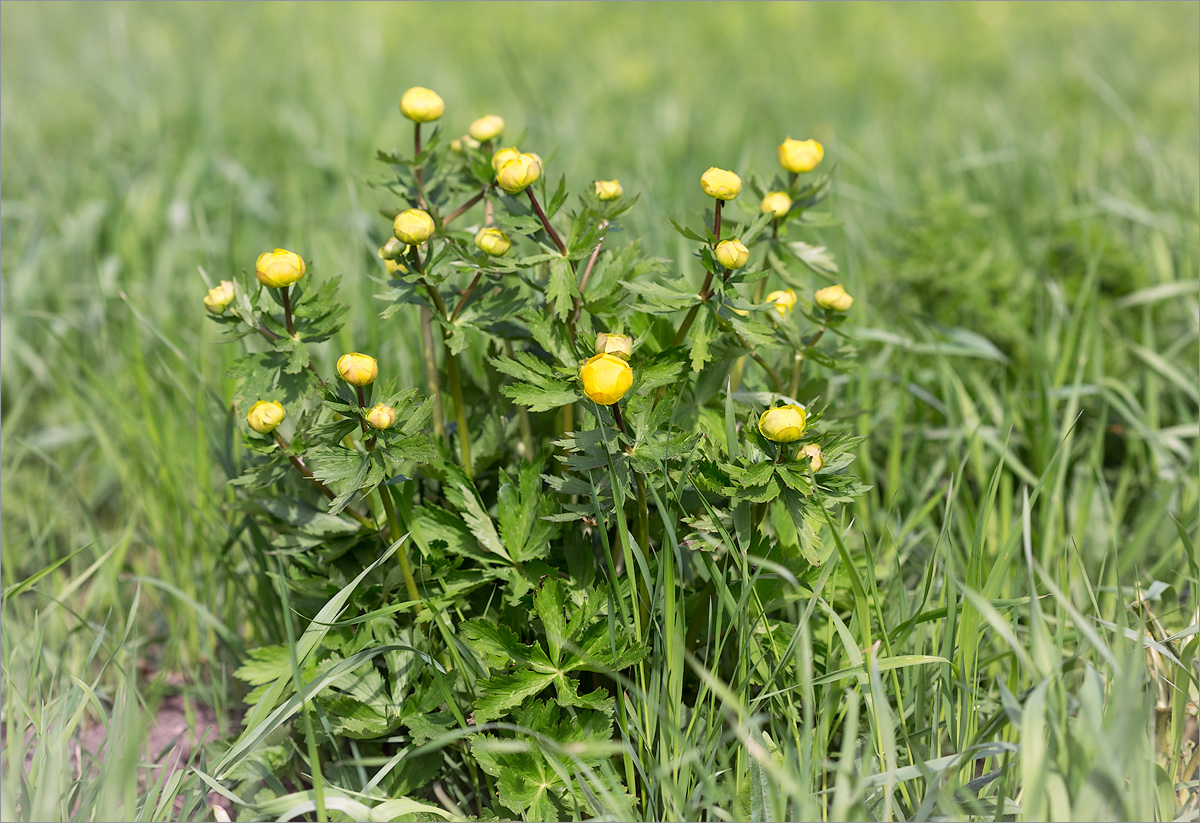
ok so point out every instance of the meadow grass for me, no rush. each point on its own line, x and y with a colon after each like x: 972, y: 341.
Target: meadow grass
x: 1018, y: 194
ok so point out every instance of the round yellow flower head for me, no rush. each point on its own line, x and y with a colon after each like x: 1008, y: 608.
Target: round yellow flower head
x: 358, y: 369
x: 721, y: 184
x: 457, y: 144
x: 732, y: 254
x: 219, y: 297
x: 487, y: 128
x: 833, y: 298
x: 502, y: 156
x: 609, y: 189
x: 800, y: 155
x: 784, y: 424
x: 493, y: 242
x: 265, y: 416
x: 785, y: 301
x: 395, y: 266
x: 421, y: 105
x: 777, y: 202
x: 413, y: 226
x: 381, y: 416
x: 605, y: 379
x: 615, y: 344
x: 279, y: 268
x: 813, y: 452
x: 393, y: 249
x: 519, y: 174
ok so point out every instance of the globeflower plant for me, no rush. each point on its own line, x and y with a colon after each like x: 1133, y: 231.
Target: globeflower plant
x: 569, y: 461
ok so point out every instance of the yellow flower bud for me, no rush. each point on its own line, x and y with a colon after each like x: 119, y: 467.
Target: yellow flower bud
x: 800, y: 155
x: 466, y: 141
x: 833, y: 298
x: 502, y: 156
x: 487, y: 128
x: 777, y: 202
x: 785, y: 301
x: 615, y: 344
x: 732, y: 254
x: 721, y: 184
x: 381, y: 416
x: 413, y: 226
x: 493, y: 241
x: 358, y: 369
x: 784, y: 424
x: 219, y: 297
x: 813, y: 452
x: 393, y: 249
x: 609, y: 189
x: 605, y: 379
x: 421, y: 105
x: 517, y: 175
x: 265, y: 416
x: 279, y: 268
x: 395, y: 266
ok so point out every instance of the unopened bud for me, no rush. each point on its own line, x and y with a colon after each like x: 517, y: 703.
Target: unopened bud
x: 219, y: 297
x: 784, y: 424
x: 800, y: 155
x: 813, y: 452
x: 358, y: 369
x: 517, y: 175
x: 413, y: 226
x: 732, y: 254
x: 502, y: 156
x: 493, y: 242
x: 833, y: 298
x: 619, y: 345
x: 421, y: 105
x: 265, y: 416
x: 279, y: 268
x: 785, y: 301
x: 609, y: 189
x: 776, y: 202
x: 721, y: 184
x: 605, y: 379
x: 381, y: 416
x: 487, y: 128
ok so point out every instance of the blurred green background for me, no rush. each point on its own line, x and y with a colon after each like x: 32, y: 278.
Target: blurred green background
x: 988, y: 157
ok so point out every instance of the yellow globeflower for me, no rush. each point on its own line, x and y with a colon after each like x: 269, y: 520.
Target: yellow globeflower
x: 777, y: 202
x: 502, y: 156
x: 721, y: 184
x: 616, y: 344
x: 487, y: 128
x: 265, y: 416
x: 279, y: 268
x: 784, y: 424
x: 833, y: 298
x: 413, y: 226
x: 605, y: 379
x: 421, y: 105
x: 219, y: 297
x: 467, y: 141
x: 358, y: 369
x: 813, y: 452
x: 517, y: 175
x: 800, y: 155
x: 493, y: 242
x: 381, y: 416
x: 732, y: 254
x: 609, y: 189
x: 785, y: 301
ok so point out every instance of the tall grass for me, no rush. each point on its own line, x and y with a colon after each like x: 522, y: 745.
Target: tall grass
x: 1012, y: 610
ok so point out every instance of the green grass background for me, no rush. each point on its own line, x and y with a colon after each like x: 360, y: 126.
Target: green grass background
x: 1017, y: 184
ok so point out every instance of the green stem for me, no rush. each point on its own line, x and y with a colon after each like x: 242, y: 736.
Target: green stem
x: 537, y: 207
x: 287, y: 311
x: 431, y: 373
x: 458, y: 212
x: 308, y: 475
x: 462, y: 301
x: 418, y: 172
x: 389, y: 509
x: 798, y: 363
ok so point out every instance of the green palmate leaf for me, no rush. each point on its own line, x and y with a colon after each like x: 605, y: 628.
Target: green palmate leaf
x: 688, y: 233
x: 548, y: 603
x: 561, y: 288
x: 750, y: 233
x: 539, y: 386
x: 558, y: 198
x: 498, y: 645
x: 502, y: 693
x: 810, y: 543
x: 296, y: 353
x: 663, y: 368
x: 658, y: 298
x: 461, y: 493
x: 262, y: 376
x: 519, y: 510
x: 817, y: 258
x: 703, y: 332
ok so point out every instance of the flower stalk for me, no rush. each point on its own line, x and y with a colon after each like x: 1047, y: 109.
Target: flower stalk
x: 307, y: 473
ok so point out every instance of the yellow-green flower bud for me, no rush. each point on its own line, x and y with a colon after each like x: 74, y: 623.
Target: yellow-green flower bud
x: 279, y: 268
x: 393, y: 249
x: 381, y: 416
x: 421, y: 105
x: 813, y: 452
x: 358, y: 369
x: 219, y: 297
x: 265, y: 416
x: 466, y: 141
x: 833, y: 298
x: 413, y: 226
x: 800, y: 155
x: 487, y: 128
x: 784, y: 424
x: 721, y: 184
x: 503, y: 156
x: 777, y: 202
x: 517, y: 175
x: 493, y: 242
x: 605, y: 379
x: 785, y: 301
x: 609, y: 189
x: 732, y: 254
x: 616, y: 344
x: 395, y: 266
